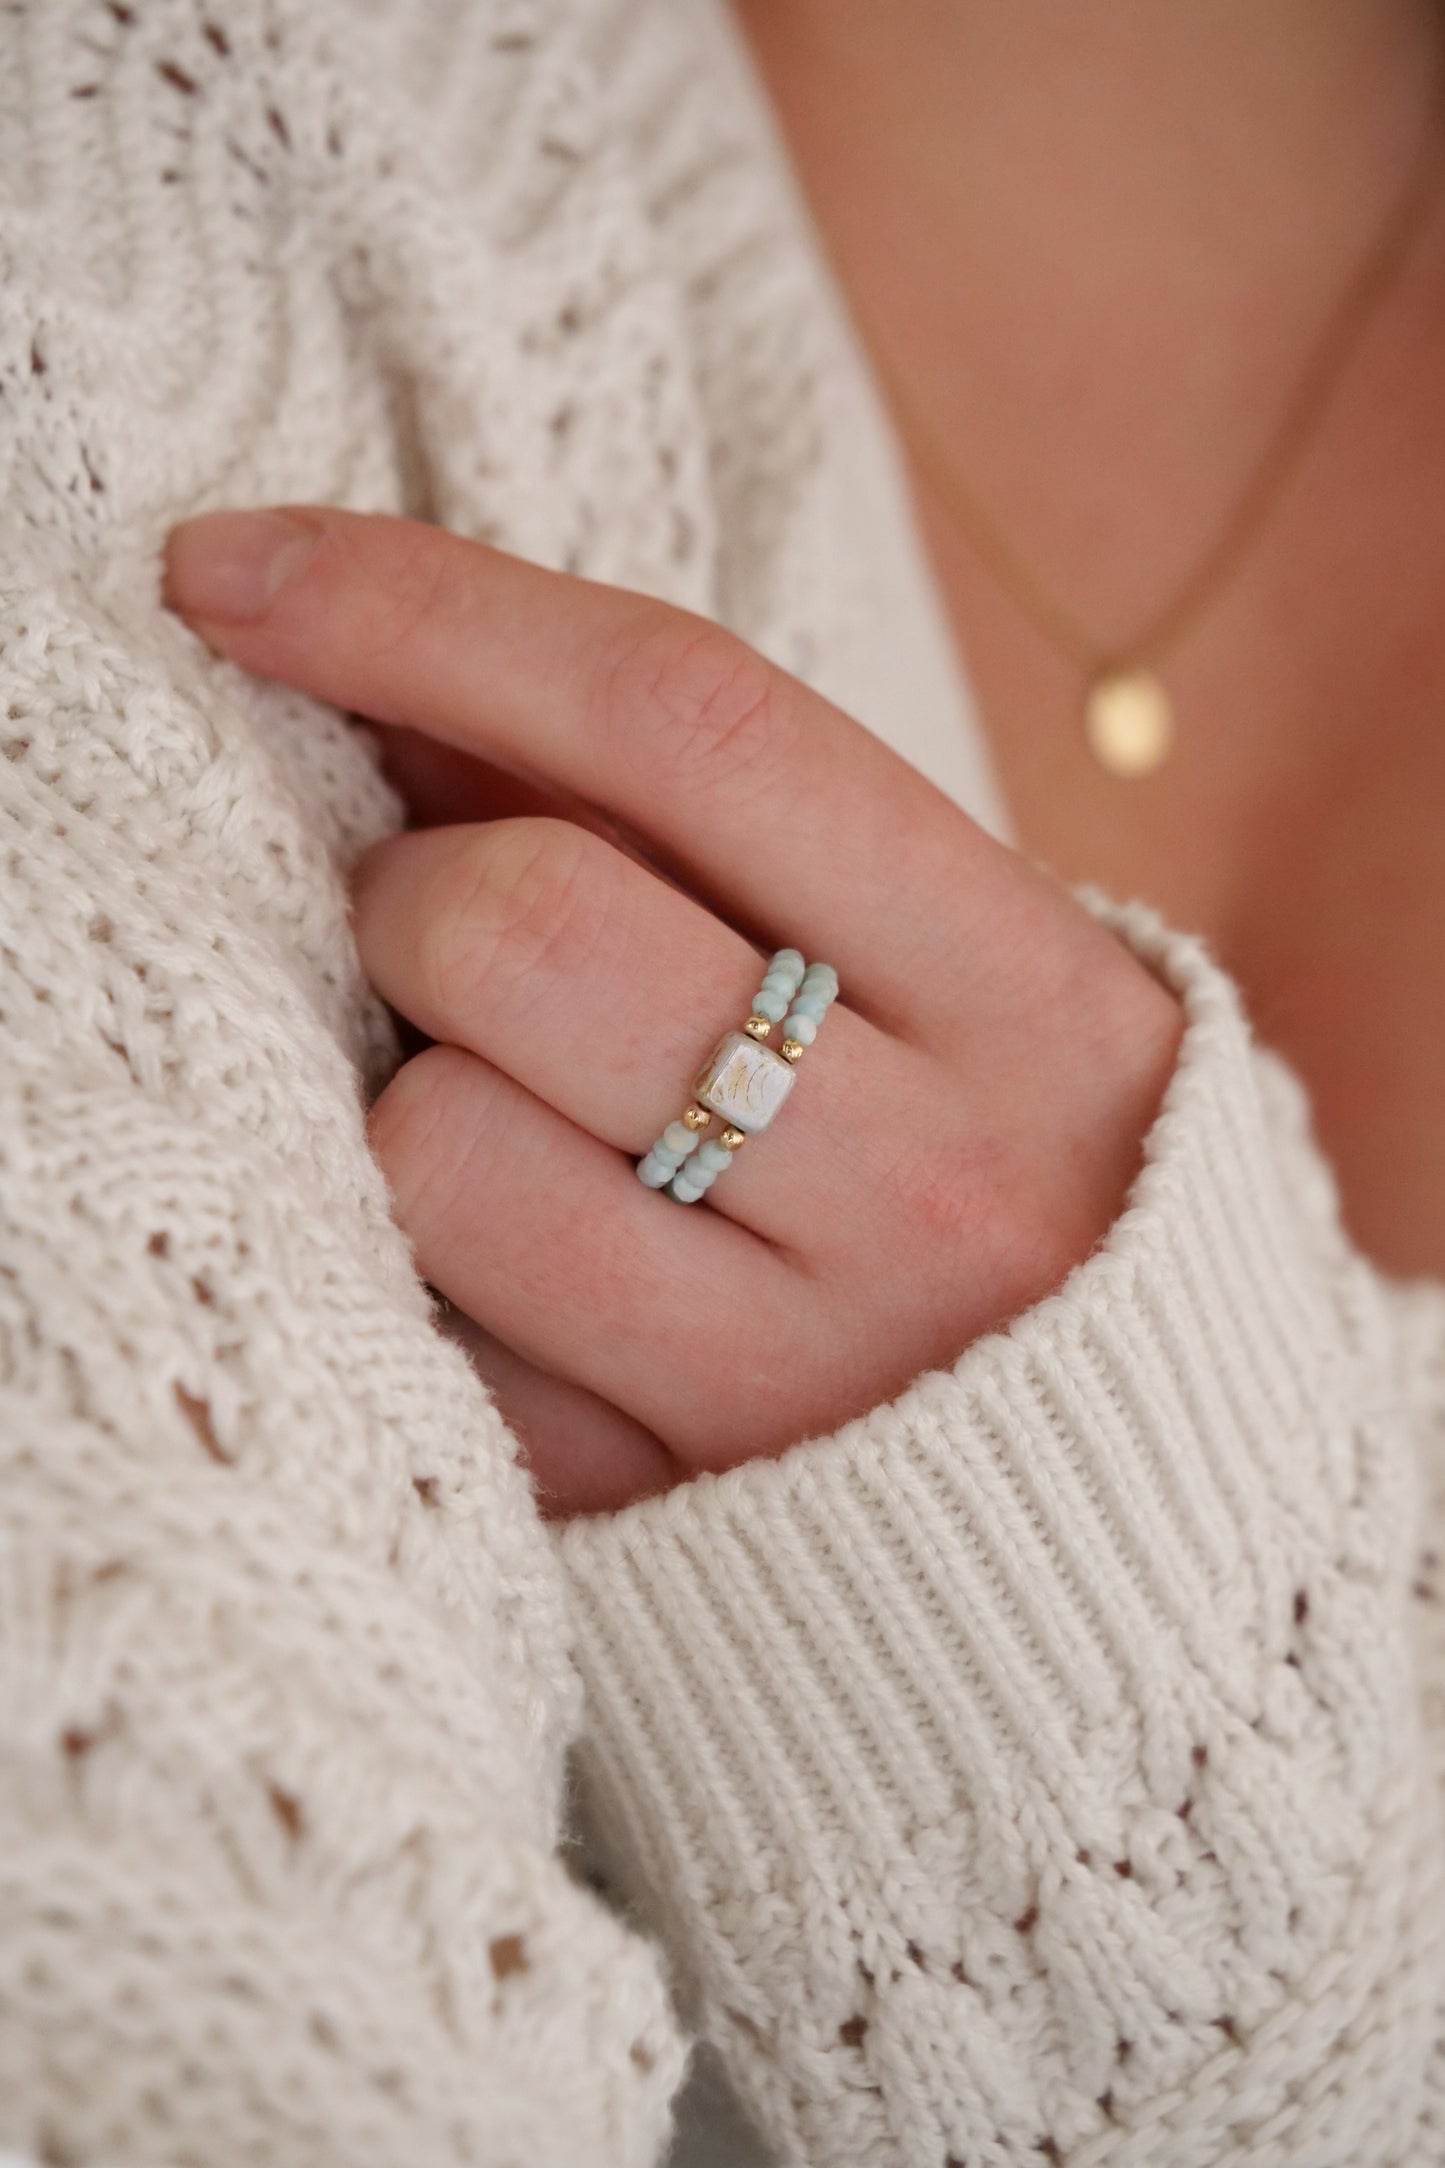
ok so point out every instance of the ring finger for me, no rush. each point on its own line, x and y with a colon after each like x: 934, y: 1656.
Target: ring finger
x: 600, y: 988
x: 532, y: 1229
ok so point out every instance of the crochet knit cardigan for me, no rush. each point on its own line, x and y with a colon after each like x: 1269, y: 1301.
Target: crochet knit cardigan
x: 1043, y: 1769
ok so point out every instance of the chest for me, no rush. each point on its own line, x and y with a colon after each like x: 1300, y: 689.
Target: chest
x: 1299, y: 826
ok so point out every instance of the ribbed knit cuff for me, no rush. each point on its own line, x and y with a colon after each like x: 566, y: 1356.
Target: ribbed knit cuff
x: 974, y: 1730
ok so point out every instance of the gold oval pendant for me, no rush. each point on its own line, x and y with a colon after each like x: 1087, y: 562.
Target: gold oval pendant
x: 1129, y: 722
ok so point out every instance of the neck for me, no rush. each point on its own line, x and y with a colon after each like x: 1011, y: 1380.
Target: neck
x: 1116, y: 221
x: 1116, y: 94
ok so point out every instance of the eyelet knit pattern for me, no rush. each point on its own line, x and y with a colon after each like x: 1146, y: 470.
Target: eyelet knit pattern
x: 1042, y: 1769
x: 284, y: 1690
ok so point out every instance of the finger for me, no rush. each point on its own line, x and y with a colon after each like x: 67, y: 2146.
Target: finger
x: 543, y: 1236
x: 583, y: 1455
x: 789, y: 816
x: 601, y: 989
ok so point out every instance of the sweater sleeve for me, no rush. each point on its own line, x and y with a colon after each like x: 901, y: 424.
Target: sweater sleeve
x: 284, y: 1685
x: 1041, y: 1768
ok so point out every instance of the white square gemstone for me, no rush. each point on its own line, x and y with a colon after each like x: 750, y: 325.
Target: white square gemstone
x: 745, y: 1082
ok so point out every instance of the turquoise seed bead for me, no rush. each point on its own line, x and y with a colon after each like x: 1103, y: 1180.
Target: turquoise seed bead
x: 654, y: 1173
x: 713, y: 1156
x: 773, y: 1006
x: 686, y: 1192
x: 800, y: 1027
x: 680, y: 1139
x: 784, y: 974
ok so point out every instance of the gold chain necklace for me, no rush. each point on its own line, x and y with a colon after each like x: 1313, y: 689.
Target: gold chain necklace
x: 1127, y: 714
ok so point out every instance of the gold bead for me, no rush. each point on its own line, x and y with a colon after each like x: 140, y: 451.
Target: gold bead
x: 696, y: 1118
x: 791, y: 1049
x: 1129, y: 722
x: 757, y: 1027
x: 731, y: 1139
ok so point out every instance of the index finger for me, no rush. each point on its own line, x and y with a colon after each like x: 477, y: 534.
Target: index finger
x: 792, y: 819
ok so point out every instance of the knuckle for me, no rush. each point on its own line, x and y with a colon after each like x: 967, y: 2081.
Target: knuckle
x: 692, y: 704
x: 522, y: 903
x: 937, y: 1187
x: 993, y: 1219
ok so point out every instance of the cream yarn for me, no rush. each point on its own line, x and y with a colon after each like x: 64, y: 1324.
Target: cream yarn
x: 1045, y: 1768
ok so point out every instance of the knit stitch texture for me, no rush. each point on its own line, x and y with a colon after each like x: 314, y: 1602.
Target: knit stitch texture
x: 1036, y: 1768
x: 1047, y: 1767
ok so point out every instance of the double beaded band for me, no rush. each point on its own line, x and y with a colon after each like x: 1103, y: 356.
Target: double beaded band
x: 745, y: 1082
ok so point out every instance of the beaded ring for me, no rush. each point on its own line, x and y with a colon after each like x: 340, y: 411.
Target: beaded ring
x: 746, y: 1080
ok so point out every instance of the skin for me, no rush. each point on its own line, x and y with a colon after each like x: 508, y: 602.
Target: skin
x: 974, y: 1119
x: 964, y: 1135
x: 1096, y: 242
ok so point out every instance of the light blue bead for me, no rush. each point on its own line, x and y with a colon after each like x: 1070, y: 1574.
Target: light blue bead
x: 815, y: 1010
x: 677, y: 1137
x: 786, y: 987
x: 787, y: 959
x: 654, y: 1173
x: 798, y: 1026
x: 820, y: 975
x: 686, y: 1192
x: 712, y: 1155
x: 773, y: 1006
x: 783, y: 978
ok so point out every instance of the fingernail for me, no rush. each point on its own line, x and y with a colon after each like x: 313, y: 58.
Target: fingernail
x: 229, y: 567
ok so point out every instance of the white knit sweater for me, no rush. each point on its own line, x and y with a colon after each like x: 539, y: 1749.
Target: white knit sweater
x: 1042, y: 1769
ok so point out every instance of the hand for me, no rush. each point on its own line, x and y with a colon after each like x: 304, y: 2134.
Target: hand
x: 665, y: 807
